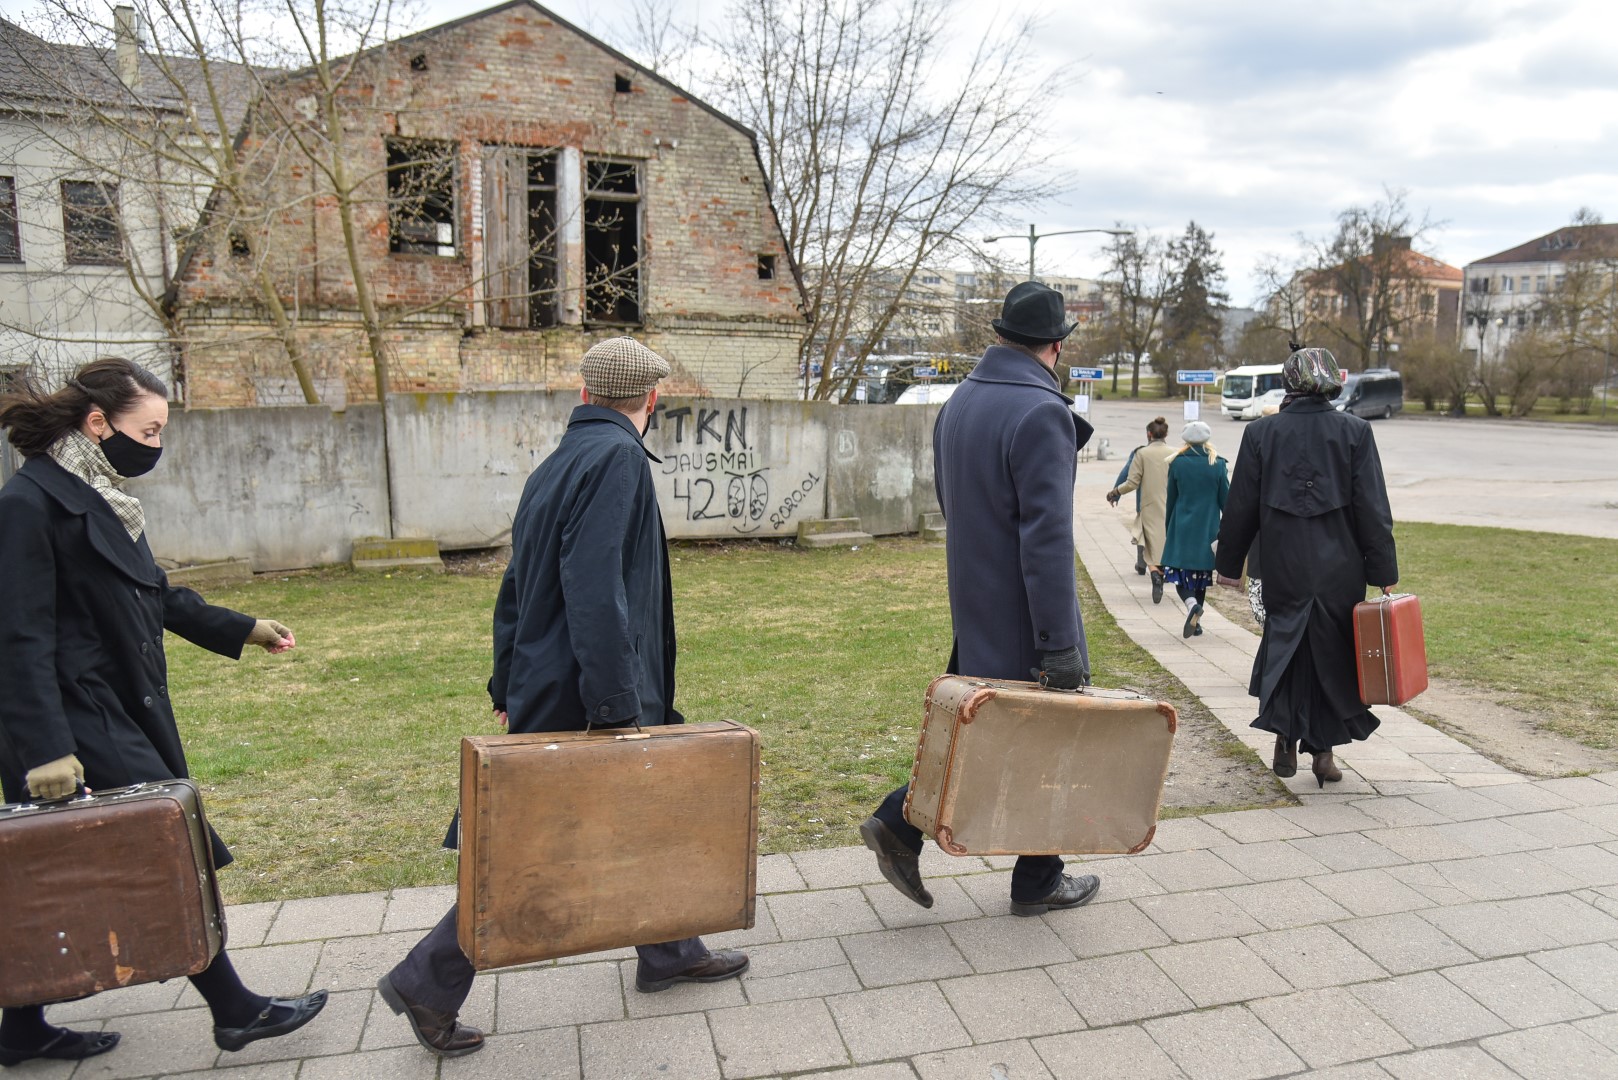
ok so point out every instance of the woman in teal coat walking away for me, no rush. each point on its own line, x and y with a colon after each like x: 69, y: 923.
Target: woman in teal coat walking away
x: 1198, y: 484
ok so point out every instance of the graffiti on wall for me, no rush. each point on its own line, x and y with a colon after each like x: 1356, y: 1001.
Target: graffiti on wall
x: 719, y: 474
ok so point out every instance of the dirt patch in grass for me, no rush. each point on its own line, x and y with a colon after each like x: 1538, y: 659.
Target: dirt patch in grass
x: 333, y: 768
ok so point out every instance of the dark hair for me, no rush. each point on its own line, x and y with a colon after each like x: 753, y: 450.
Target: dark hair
x: 1158, y: 429
x: 34, y: 420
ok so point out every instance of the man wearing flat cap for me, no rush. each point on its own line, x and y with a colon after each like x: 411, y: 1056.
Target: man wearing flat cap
x: 583, y: 633
x: 1005, y: 452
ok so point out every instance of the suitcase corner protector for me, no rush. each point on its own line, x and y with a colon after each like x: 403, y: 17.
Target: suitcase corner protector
x: 1144, y: 844
x: 1173, y: 719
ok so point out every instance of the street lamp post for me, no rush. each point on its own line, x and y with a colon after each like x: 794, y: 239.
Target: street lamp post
x: 1034, y: 237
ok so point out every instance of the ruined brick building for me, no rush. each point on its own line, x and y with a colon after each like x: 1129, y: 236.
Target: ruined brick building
x: 526, y: 191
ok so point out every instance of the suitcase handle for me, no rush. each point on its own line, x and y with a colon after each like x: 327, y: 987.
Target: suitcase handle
x: 589, y: 729
x: 79, y: 794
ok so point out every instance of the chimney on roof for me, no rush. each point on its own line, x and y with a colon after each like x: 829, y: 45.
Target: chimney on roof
x: 127, y: 31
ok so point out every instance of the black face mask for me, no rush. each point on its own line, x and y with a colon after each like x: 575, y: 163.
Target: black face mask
x: 129, y: 457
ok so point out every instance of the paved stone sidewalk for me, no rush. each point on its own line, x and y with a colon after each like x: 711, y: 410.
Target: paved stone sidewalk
x: 1453, y: 933
x: 1404, y: 757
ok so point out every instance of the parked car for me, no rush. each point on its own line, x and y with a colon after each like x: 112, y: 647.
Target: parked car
x: 927, y: 393
x: 1376, y: 393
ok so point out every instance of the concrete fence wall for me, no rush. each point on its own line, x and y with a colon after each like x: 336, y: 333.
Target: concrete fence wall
x: 293, y: 487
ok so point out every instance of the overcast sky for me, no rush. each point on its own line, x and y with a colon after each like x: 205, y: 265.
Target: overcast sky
x: 1261, y: 119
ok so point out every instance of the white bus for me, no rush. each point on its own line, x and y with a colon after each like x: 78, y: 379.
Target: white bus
x: 1244, y: 386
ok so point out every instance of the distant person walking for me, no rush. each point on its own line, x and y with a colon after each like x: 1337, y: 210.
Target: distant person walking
x: 1309, y: 483
x: 1198, y: 483
x: 1149, y: 475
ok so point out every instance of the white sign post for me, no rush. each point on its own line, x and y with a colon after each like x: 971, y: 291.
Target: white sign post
x: 1195, y: 382
x: 1085, y: 377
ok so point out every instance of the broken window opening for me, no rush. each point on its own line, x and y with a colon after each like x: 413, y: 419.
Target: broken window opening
x: 622, y: 84
x: 418, y: 62
x: 90, y: 228
x: 766, y: 267
x: 421, y: 197
x: 612, y: 242
x: 239, y: 247
x: 543, y: 277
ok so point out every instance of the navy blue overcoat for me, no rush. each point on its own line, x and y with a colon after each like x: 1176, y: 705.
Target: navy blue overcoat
x: 584, y: 624
x: 1005, y: 453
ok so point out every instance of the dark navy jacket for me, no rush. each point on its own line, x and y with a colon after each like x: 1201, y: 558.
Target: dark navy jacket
x: 1005, y: 454
x: 584, y: 625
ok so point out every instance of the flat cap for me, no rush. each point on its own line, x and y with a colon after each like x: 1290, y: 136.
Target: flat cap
x: 621, y: 367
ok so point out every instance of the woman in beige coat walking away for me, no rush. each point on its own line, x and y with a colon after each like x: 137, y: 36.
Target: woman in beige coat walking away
x: 1149, y: 473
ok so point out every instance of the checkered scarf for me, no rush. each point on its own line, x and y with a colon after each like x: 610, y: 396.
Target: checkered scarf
x: 80, y: 456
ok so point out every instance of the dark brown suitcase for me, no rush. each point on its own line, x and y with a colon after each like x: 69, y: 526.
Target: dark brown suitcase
x: 575, y: 842
x: 107, y: 890
x: 1390, y: 649
x: 1011, y: 768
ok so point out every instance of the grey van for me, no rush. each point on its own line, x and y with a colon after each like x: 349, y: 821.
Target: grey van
x: 1376, y: 393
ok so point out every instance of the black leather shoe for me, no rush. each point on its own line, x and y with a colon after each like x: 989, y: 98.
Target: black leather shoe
x: 65, y: 1045
x: 900, y: 865
x: 1140, y: 560
x: 302, y: 1009
x: 1157, y: 587
x: 1193, y: 622
x: 715, y: 967
x: 1070, y: 892
x: 437, y: 1031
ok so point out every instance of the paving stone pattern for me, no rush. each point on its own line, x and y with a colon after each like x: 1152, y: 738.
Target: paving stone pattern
x: 1418, y: 922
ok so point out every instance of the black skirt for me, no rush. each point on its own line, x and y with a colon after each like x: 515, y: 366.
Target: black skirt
x: 1298, y: 709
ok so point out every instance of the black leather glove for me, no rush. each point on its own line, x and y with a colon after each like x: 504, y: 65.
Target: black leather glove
x: 1113, y: 496
x: 1064, y: 669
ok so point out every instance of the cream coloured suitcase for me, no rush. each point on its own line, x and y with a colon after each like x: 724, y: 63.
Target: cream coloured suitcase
x: 1011, y: 768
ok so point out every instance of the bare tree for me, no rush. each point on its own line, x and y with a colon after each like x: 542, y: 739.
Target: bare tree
x: 877, y: 164
x: 1368, y: 274
x: 1144, y: 277
x: 1580, y: 316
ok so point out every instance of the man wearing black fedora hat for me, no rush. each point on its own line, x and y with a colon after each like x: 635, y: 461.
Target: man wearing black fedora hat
x: 1009, y: 548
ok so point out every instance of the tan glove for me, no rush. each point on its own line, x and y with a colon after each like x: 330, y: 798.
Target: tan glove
x: 56, y: 779
x: 271, y: 635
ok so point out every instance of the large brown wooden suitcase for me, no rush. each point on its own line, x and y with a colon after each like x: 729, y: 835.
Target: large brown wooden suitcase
x: 1390, y: 649
x: 113, y: 889
x: 574, y: 842
x: 1011, y: 768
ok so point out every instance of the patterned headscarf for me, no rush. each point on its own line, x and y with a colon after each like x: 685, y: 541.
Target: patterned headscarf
x: 1312, y: 371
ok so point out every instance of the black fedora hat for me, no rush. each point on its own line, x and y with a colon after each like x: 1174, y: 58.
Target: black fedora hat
x: 1033, y: 314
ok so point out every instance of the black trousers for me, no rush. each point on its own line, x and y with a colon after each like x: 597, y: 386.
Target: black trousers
x: 1032, y: 879
x: 437, y: 974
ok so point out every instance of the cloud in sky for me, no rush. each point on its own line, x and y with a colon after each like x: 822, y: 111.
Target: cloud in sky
x: 1262, y: 119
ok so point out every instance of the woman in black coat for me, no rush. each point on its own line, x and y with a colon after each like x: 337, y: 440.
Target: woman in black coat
x: 1309, y: 482
x: 82, y: 617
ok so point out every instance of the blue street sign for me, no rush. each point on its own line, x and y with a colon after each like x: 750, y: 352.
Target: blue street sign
x: 1086, y: 374
x: 1195, y: 378
x: 925, y: 373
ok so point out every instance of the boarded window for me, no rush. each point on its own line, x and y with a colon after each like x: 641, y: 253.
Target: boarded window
x: 90, y: 223
x: 522, y: 273
x: 612, y: 241
x: 421, y: 197
x: 10, y: 241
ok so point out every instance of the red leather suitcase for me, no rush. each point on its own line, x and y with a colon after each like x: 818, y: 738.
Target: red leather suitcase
x: 113, y: 889
x: 1390, y: 649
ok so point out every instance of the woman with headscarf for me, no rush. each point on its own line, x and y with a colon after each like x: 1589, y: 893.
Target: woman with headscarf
x: 1149, y: 475
x: 1308, y: 481
x: 82, y: 664
x: 1198, y: 483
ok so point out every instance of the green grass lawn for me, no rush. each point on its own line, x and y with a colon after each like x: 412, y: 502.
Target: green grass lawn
x: 333, y: 768
x: 1533, y: 616
x: 1544, y: 409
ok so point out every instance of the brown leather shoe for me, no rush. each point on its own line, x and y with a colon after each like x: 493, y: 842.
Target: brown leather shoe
x: 1325, y: 768
x: 715, y: 967
x: 437, y: 1031
x: 900, y: 865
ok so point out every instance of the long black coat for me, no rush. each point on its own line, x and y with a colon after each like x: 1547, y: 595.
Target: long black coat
x: 584, y: 625
x: 1005, y: 454
x: 82, y: 614
x: 1309, y: 483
